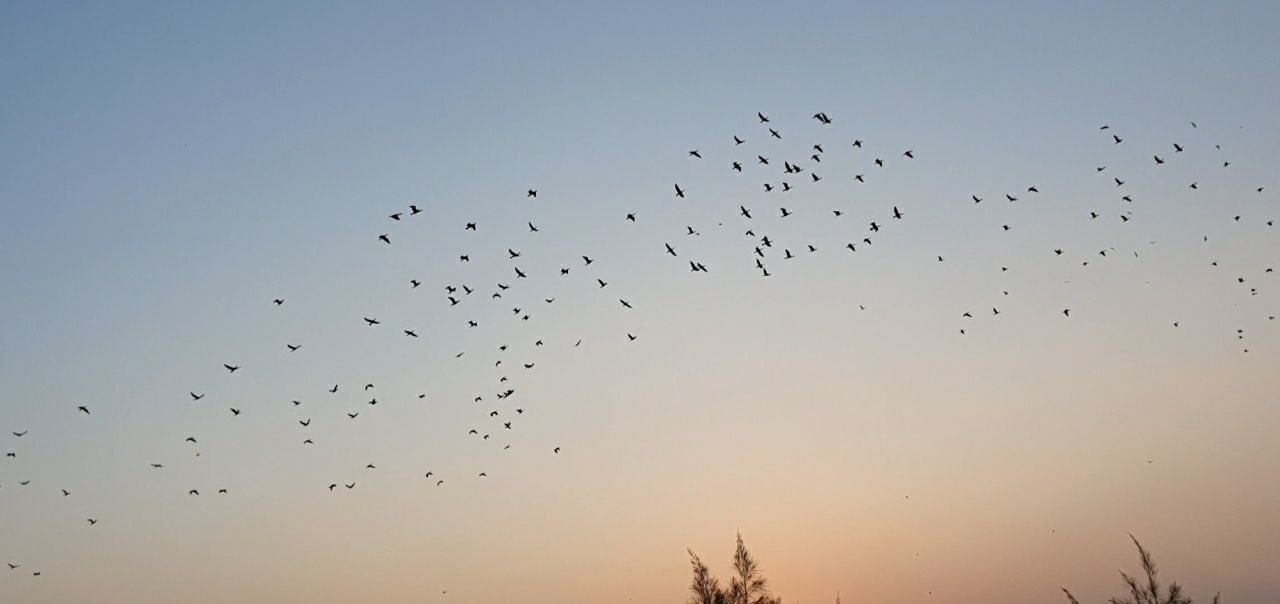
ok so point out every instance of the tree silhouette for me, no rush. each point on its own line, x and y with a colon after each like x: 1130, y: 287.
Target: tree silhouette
x: 705, y: 587
x: 748, y: 586
x: 1145, y: 590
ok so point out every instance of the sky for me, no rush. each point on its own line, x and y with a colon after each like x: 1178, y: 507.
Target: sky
x: 167, y: 170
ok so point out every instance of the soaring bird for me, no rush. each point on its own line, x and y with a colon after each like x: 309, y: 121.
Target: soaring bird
x: 679, y: 191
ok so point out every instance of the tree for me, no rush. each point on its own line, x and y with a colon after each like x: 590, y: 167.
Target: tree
x: 1145, y: 590
x: 705, y: 587
x: 749, y: 586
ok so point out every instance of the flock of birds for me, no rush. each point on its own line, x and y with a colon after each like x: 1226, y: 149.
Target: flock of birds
x: 779, y: 180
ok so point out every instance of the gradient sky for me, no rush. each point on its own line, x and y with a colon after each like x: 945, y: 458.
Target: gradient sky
x: 166, y: 170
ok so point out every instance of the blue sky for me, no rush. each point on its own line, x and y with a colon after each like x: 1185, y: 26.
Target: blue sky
x: 166, y: 170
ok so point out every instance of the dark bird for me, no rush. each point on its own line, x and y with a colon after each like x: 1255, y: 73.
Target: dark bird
x: 384, y: 238
x: 531, y: 193
x: 897, y: 214
x: 83, y: 409
x: 744, y: 212
x: 278, y: 301
x: 763, y: 119
x: 695, y: 153
x: 774, y: 134
x: 909, y: 155
x: 372, y: 322
x: 738, y: 141
x: 395, y: 216
x: 625, y: 303
x: 413, y: 210
x: 234, y: 411
x: 292, y: 347
x: 679, y: 191
x: 231, y: 368
x: 471, y: 226
x: 410, y: 333
x: 670, y: 250
x: 334, y: 389
x: 532, y: 229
